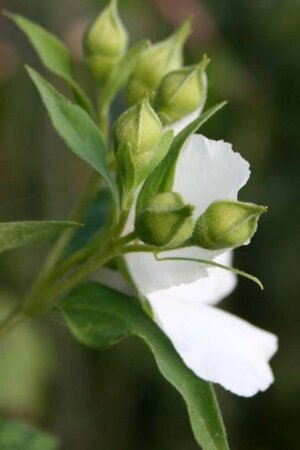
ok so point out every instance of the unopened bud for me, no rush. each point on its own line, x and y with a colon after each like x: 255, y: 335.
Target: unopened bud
x: 165, y: 221
x: 155, y: 62
x: 105, y: 42
x: 227, y: 224
x: 140, y: 129
x: 181, y: 92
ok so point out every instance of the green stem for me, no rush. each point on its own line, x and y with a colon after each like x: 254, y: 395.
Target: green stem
x: 103, y: 116
x: 83, y: 254
x: 45, y: 299
x: 11, y: 320
x: 104, y: 123
x: 65, y: 238
x: 126, y: 239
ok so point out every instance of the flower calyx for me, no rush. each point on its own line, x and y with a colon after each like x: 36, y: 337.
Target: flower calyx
x: 226, y: 224
x: 165, y: 221
x: 140, y: 143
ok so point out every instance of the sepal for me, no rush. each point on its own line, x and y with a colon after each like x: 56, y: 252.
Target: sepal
x: 165, y: 221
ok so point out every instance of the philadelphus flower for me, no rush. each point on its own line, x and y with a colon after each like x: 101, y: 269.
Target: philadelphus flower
x: 183, y: 295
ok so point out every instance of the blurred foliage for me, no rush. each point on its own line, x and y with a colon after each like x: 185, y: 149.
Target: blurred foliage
x: 17, y: 436
x: 116, y: 400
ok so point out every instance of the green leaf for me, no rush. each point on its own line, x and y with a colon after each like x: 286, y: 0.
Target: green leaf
x: 19, y: 436
x: 17, y: 234
x: 162, y: 178
x: 53, y: 54
x: 99, y: 316
x: 76, y: 128
x: 122, y: 71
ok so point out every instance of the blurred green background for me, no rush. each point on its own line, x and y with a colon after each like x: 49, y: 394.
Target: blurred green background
x: 117, y: 400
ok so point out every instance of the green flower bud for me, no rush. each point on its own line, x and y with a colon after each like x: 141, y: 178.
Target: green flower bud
x: 138, y: 132
x: 155, y: 62
x: 181, y: 92
x: 105, y: 42
x: 165, y: 221
x: 226, y: 224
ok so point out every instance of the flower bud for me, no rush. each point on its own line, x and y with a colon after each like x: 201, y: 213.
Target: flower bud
x: 155, y: 62
x: 165, y: 221
x: 105, y: 42
x: 140, y: 129
x: 227, y: 224
x: 181, y: 92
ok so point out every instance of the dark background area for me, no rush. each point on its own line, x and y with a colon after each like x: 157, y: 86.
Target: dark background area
x: 116, y: 400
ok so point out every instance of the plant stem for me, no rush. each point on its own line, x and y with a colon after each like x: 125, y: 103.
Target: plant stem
x: 104, y: 123
x: 41, y: 303
x: 65, y: 238
x: 82, y: 254
x: 11, y: 320
x: 126, y: 239
x: 103, y: 116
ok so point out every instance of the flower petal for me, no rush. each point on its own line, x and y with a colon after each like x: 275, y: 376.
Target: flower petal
x: 217, y: 346
x: 151, y: 275
x: 209, y: 170
x: 208, y: 290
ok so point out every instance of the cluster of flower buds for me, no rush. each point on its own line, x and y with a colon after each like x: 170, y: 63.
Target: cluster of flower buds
x: 172, y: 89
x: 160, y: 92
x: 167, y: 221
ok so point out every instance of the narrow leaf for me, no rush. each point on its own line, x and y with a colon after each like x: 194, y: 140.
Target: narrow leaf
x: 53, y: 54
x: 162, y: 178
x: 76, y: 128
x: 99, y: 316
x: 19, y: 436
x: 17, y: 234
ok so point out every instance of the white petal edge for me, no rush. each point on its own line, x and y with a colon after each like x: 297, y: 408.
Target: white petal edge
x: 151, y: 275
x: 217, y: 346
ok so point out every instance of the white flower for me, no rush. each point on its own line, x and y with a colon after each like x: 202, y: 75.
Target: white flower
x: 216, y: 345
